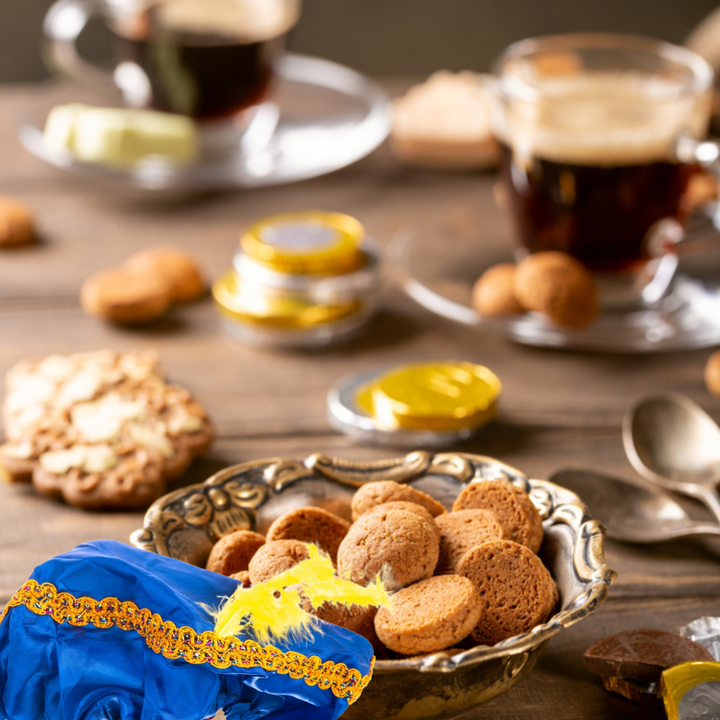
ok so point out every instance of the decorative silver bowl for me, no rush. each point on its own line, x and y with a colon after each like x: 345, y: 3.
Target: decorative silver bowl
x: 186, y: 523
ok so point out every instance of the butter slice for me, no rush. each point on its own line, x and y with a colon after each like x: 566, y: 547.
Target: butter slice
x: 120, y: 138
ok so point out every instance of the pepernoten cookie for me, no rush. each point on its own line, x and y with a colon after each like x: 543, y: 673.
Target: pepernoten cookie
x: 399, y: 545
x: 430, y: 615
x: 518, y: 589
x: 462, y: 530
x: 101, y: 430
x: 232, y: 553
x: 312, y: 525
x: 384, y: 491
x: 274, y: 557
x: 512, y: 507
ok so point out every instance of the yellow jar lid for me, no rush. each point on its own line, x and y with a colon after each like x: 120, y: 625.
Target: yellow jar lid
x: 678, y: 683
x: 306, y: 243
x: 439, y: 396
x: 262, y: 306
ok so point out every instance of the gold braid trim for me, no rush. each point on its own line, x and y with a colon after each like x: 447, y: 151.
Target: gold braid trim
x: 162, y: 636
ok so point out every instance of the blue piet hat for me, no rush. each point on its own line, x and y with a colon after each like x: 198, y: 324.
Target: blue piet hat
x: 110, y: 632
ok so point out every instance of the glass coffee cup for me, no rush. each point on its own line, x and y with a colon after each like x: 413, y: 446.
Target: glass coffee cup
x: 211, y: 60
x: 601, y: 136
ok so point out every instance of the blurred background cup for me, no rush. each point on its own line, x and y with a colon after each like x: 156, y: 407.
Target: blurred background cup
x: 601, y: 136
x: 211, y: 60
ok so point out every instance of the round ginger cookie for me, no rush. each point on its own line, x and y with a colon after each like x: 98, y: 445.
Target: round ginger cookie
x: 430, y: 615
x: 411, y: 507
x: 178, y: 268
x: 243, y: 577
x: 559, y: 286
x: 462, y: 530
x: 712, y: 373
x: 126, y: 297
x: 232, y: 553
x: 494, y: 291
x: 358, y: 619
x: 512, y: 507
x: 383, y: 491
x: 517, y: 588
x: 274, y: 557
x: 17, y: 226
x: 311, y: 525
x: 399, y: 545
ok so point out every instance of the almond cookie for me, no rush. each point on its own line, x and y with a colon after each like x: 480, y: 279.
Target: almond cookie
x: 512, y: 507
x: 126, y: 297
x: 518, y: 589
x: 274, y: 557
x: 712, y: 373
x: 17, y: 226
x: 399, y: 545
x: 462, y: 530
x: 494, y: 291
x: 559, y: 286
x: 177, y: 268
x: 232, y: 553
x: 430, y: 615
x: 312, y: 525
x: 101, y: 430
x: 383, y: 491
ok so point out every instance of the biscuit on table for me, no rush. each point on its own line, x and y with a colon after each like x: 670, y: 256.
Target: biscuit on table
x: 512, y: 507
x: 444, y: 123
x: 232, y: 553
x: 178, y: 268
x: 494, y: 291
x: 557, y: 285
x: 399, y: 545
x: 17, y: 226
x: 430, y: 615
x: 126, y: 297
x: 101, y: 430
x: 712, y: 373
x: 462, y: 530
x: 518, y: 589
x: 311, y: 525
x: 383, y: 491
x: 274, y: 557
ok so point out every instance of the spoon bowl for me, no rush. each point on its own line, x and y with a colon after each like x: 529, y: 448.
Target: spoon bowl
x: 633, y: 512
x: 673, y: 442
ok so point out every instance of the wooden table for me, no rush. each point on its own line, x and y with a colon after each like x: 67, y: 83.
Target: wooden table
x: 558, y: 408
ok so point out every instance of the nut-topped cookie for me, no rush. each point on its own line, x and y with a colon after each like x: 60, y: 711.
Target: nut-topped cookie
x: 101, y: 430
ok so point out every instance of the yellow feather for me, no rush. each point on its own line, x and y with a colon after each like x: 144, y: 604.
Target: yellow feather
x: 273, y: 609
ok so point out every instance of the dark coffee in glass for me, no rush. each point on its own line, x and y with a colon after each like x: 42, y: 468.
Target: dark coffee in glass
x: 589, y: 127
x: 208, y: 59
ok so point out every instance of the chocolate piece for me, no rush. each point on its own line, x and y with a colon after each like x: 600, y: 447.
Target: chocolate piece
x: 641, y: 654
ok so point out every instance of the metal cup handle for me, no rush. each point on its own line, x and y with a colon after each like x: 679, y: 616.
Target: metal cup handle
x: 63, y: 23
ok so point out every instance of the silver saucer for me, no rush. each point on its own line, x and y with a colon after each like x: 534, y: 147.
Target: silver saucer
x: 439, y: 276
x: 330, y: 117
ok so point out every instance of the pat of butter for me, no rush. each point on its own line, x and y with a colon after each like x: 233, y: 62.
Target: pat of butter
x: 120, y: 138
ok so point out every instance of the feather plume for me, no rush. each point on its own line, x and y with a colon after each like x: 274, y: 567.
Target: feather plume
x: 273, y: 609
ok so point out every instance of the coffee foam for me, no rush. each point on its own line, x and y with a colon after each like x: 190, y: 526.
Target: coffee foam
x: 605, y: 119
x: 245, y: 20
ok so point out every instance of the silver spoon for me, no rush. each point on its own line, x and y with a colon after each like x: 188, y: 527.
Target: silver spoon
x: 673, y: 442
x: 632, y: 512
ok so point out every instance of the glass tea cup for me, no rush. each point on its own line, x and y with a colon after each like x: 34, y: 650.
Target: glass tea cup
x: 601, y: 135
x: 211, y: 60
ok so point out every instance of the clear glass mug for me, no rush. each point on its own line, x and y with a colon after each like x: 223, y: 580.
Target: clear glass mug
x: 212, y: 60
x: 601, y: 135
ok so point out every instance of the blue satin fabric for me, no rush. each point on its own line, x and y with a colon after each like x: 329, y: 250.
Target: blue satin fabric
x: 54, y: 671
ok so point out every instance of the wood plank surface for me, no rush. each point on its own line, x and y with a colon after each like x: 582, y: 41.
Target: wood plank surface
x: 558, y: 409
